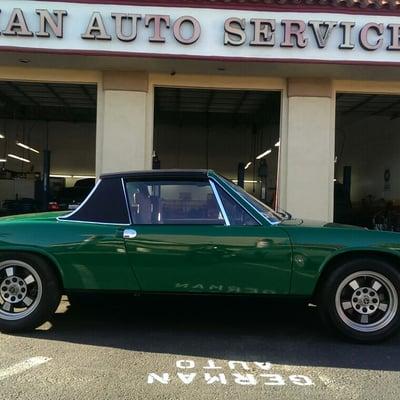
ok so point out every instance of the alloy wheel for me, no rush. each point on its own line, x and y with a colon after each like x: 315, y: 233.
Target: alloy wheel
x: 366, y: 301
x: 20, y: 290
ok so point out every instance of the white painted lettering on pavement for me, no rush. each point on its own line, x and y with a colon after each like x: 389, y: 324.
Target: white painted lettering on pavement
x: 23, y: 366
x: 236, y: 373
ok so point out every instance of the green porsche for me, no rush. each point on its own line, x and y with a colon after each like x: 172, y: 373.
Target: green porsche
x: 193, y: 231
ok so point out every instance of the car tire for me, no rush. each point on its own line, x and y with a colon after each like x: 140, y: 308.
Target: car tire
x: 29, y: 292
x: 360, y: 299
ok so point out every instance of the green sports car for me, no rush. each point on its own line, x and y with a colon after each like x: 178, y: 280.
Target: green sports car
x: 193, y: 231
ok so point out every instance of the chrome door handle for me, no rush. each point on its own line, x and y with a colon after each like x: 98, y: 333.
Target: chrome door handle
x: 129, y: 234
x: 263, y: 243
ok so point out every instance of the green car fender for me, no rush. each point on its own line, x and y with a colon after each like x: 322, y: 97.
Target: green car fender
x: 318, y: 249
x: 48, y: 257
x: 341, y: 256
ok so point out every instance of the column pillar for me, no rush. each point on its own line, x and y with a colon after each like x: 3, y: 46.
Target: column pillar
x: 307, y: 162
x: 121, y: 122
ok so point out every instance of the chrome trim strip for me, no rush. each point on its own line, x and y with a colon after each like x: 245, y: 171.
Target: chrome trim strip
x: 92, y: 222
x: 253, y: 208
x: 126, y: 201
x: 82, y: 204
x: 219, y: 201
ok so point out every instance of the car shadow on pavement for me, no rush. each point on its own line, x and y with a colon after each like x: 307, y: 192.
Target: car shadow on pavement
x: 244, y: 329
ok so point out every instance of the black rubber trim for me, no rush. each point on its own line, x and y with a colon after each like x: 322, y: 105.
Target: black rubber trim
x: 159, y: 174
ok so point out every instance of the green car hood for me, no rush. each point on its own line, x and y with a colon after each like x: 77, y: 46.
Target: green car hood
x: 309, y: 223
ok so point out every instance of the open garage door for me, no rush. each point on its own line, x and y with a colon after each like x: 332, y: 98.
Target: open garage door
x: 47, y: 145
x: 367, y: 168
x: 234, y: 132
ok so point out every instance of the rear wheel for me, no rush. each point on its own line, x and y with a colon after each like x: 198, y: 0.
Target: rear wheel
x: 29, y: 292
x: 361, y: 300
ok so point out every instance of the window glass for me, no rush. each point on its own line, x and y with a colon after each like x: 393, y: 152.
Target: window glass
x: 173, y: 202
x: 262, y: 208
x: 237, y: 215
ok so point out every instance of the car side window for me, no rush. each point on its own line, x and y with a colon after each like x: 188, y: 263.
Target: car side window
x: 173, y: 203
x: 237, y: 215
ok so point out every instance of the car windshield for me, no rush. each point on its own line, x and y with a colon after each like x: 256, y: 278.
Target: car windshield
x: 262, y: 208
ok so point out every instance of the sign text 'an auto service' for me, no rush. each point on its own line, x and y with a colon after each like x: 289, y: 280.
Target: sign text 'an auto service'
x: 199, y: 32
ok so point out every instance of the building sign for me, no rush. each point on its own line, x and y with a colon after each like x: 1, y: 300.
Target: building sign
x: 198, y: 32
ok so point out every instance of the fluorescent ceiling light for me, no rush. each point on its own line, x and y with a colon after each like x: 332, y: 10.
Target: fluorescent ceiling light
x: 247, y: 165
x: 264, y: 154
x: 2, y: 136
x: 60, y: 176
x: 245, y: 181
x: 3, y: 160
x: 27, y: 147
x: 18, y: 158
x: 278, y: 143
x: 72, y: 176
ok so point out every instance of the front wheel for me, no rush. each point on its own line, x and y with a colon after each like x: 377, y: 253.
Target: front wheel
x: 29, y: 292
x: 361, y: 300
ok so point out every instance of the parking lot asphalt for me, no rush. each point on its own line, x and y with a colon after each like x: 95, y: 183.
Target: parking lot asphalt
x: 193, y: 348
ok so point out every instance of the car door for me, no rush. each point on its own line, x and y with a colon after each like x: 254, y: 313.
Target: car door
x: 182, y: 240
x: 88, y: 242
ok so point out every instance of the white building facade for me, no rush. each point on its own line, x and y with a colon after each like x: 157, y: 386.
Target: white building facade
x: 307, y: 52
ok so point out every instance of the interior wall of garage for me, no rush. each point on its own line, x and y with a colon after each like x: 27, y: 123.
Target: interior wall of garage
x: 219, y: 144
x: 370, y: 145
x: 72, y: 145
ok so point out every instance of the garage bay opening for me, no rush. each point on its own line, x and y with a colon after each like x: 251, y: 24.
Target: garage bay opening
x: 233, y: 132
x: 47, y: 145
x: 367, y: 163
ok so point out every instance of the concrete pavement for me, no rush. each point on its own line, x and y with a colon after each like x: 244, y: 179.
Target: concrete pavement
x: 193, y: 348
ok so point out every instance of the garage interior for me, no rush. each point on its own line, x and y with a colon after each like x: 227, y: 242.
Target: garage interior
x: 234, y: 132
x: 47, y: 143
x: 367, y: 162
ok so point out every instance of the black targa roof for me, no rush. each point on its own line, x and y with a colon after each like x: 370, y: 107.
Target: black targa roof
x: 160, y: 173
x: 107, y: 202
